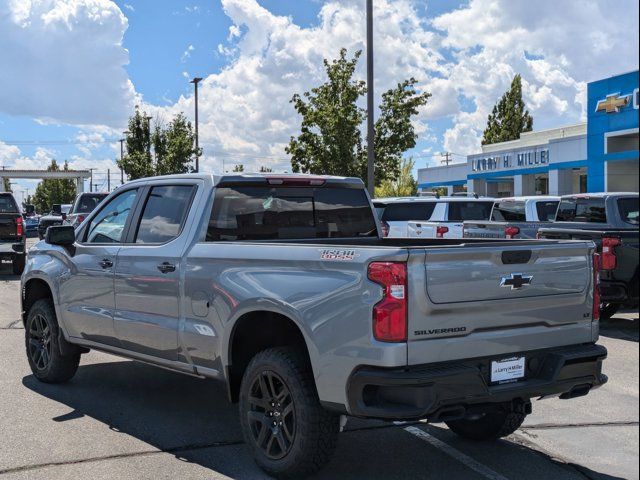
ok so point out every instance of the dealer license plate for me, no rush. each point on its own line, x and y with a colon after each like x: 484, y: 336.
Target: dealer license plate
x: 507, y: 370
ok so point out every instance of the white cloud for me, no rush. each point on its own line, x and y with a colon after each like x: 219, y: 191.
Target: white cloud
x: 187, y: 53
x: 129, y: 7
x: 65, y: 61
x: 555, y: 50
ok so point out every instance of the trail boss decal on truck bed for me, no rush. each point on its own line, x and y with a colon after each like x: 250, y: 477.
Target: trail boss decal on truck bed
x: 331, y: 254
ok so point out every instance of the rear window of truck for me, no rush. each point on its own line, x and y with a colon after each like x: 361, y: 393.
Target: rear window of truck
x: 405, y: 212
x: 628, y: 208
x: 271, y: 213
x: 8, y: 204
x: 547, y: 211
x: 461, y: 211
x: 509, y: 212
x: 87, y: 202
x: 588, y: 210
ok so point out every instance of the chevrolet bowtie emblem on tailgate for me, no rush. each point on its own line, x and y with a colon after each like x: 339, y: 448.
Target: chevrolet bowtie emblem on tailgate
x: 516, y: 281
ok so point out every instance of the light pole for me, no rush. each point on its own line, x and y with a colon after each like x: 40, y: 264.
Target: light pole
x: 195, y: 82
x: 148, y: 119
x: 370, y: 120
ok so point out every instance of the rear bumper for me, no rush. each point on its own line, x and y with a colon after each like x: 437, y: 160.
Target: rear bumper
x: 434, y: 391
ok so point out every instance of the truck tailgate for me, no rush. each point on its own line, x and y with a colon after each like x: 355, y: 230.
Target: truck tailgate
x: 8, y: 227
x: 483, y: 230
x: 501, y: 297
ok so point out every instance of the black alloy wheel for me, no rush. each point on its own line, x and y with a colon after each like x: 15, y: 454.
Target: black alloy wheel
x: 271, y: 415
x: 40, y: 342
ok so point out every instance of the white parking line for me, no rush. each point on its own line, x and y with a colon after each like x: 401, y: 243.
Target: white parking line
x: 452, y: 452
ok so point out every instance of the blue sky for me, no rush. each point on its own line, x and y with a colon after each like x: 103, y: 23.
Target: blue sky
x: 75, y: 69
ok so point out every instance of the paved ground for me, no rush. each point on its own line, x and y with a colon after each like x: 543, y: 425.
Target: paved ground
x: 121, y: 419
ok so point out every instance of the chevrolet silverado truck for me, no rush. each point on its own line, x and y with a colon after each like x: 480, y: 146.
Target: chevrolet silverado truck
x: 514, y: 217
x: 283, y: 288
x: 55, y: 217
x: 610, y: 220
x: 13, y: 235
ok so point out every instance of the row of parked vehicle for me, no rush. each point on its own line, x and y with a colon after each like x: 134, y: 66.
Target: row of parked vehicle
x: 610, y: 220
x: 16, y: 226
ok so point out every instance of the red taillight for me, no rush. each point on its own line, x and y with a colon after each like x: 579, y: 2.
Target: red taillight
x: 440, y: 231
x: 596, y: 286
x: 390, y: 313
x: 19, y: 227
x: 511, y: 232
x: 79, y: 219
x: 609, y: 259
x: 385, y: 228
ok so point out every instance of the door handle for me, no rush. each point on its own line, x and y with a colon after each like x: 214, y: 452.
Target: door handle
x: 106, y: 263
x: 166, y: 267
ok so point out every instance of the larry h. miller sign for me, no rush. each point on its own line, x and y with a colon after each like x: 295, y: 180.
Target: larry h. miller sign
x: 507, y: 161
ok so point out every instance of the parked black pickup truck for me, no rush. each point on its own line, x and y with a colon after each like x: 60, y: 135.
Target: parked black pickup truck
x: 13, y: 236
x: 611, y: 221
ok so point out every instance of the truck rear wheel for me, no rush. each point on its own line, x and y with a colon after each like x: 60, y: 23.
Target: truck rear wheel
x: 41, y: 338
x: 283, y: 423
x: 608, y: 310
x: 492, y: 425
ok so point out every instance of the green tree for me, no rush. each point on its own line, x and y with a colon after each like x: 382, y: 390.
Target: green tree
x: 172, y: 146
x: 264, y: 169
x: 331, y: 140
x: 403, y: 185
x: 509, y: 117
x: 238, y: 168
x: 6, y: 184
x: 54, y: 190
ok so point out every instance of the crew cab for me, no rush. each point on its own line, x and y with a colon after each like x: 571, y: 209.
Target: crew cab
x: 515, y: 217
x: 282, y: 288
x: 55, y: 217
x: 13, y: 236
x: 83, y: 205
x: 430, y: 217
x: 610, y: 220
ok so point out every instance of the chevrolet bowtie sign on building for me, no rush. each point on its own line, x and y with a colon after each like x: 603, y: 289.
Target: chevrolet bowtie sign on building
x: 600, y: 155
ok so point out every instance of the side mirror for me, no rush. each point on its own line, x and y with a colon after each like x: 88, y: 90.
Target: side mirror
x: 63, y: 235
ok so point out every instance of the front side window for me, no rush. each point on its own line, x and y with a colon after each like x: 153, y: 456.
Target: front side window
x: 509, y: 212
x: 271, y: 213
x: 461, y: 211
x: 164, y: 213
x: 628, y: 208
x: 108, y: 225
x: 547, y: 211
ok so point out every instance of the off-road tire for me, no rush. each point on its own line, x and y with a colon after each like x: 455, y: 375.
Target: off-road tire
x: 18, y: 264
x: 608, y: 310
x: 315, y: 429
x: 59, y: 368
x: 491, y: 426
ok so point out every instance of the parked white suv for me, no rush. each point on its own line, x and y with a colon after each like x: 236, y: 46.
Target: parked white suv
x: 430, y: 217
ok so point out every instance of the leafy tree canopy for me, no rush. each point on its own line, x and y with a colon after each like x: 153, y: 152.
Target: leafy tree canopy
x: 404, y: 185
x: 509, y: 117
x: 331, y: 141
x: 54, y: 190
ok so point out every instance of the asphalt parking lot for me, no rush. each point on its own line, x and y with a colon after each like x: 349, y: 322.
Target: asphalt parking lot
x: 121, y: 419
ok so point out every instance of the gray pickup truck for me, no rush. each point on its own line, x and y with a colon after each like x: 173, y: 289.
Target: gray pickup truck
x: 283, y: 288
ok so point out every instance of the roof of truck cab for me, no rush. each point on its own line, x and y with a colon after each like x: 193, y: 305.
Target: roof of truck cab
x: 431, y: 199
x: 544, y: 198
x: 601, y: 195
x: 242, y: 177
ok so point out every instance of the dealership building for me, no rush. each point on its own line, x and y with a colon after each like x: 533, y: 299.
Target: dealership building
x: 596, y: 156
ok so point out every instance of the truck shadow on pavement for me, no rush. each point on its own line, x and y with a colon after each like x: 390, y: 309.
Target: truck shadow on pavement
x: 621, y: 328
x: 193, y: 420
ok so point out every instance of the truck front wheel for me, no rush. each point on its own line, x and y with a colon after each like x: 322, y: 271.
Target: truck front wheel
x: 493, y: 424
x: 41, y: 337
x: 289, y: 433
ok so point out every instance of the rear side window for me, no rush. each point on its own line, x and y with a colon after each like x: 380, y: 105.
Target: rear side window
x: 268, y: 213
x: 461, y: 211
x: 87, y: 203
x: 8, y: 204
x: 547, y: 211
x: 628, y: 208
x: 404, y: 212
x: 588, y: 210
x: 164, y: 213
x: 509, y: 212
